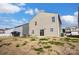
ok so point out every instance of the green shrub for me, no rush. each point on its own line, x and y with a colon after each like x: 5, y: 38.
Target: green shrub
x: 42, y: 42
x: 1, y: 45
x: 47, y: 46
x: 38, y: 53
x: 43, y: 39
x: 24, y: 43
x: 59, y: 43
x: 7, y: 44
x: 17, y: 45
x: 74, y: 36
x: 62, y: 34
x: 39, y: 49
x: 67, y: 39
x: 0, y: 40
x: 51, y: 42
x: 71, y: 40
x: 33, y: 39
x: 75, y: 40
x: 56, y: 43
x: 56, y: 52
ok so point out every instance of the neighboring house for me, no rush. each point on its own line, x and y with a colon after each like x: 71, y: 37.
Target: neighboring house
x: 72, y: 30
x: 23, y: 29
x: 8, y: 31
x: 2, y: 31
x: 45, y: 24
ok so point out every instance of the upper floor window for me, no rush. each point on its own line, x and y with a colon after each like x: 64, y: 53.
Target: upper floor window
x: 35, y: 23
x: 53, y: 19
x: 51, y: 29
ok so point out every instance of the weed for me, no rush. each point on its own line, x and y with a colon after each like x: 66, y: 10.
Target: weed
x: 7, y: 44
x: 47, y: 46
x: 67, y: 39
x: 71, y: 40
x: 51, y: 42
x: 1, y: 45
x: 56, y: 52
x: 0, y: 40
x: 56, y: 43
x: 17, y: 45
x: 33, y: 39
x: 39, y: 49
x: 59, y: 43
x: 38, y: 53
x: 43, y: 39
x: 44, y: 42
x: 24, y: 43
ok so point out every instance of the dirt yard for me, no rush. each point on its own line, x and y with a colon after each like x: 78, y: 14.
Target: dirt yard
x: 39, y: 46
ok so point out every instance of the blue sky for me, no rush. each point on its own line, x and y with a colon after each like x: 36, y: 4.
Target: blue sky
x: 12, y: 15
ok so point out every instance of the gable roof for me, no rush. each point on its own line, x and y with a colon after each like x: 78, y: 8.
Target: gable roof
x: 48, y: 13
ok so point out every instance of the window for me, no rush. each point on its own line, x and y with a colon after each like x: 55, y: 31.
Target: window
x: 32, y: 31
x: 35, y: 23
x: 51, y: 29
x: 53, y: 19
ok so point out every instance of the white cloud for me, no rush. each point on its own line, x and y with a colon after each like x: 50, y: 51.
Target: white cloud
x: 76, y: 13
x: 6, y: 22
x: 9, y: 8
x: 70, y: 20
x: 38, y: 11
x: 20, y: 4
x: 31, y: 11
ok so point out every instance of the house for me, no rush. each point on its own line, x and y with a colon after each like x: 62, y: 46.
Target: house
x: 45, y: 24
x: 2, y: 31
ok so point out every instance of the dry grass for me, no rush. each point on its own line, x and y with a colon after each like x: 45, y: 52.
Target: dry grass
x: 34, y: 46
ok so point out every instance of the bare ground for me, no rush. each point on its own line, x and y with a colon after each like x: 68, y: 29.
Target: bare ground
x: 38, y: 46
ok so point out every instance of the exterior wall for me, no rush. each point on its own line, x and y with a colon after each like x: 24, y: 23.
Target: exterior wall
x: 44, y: 21
x: 26, y: 29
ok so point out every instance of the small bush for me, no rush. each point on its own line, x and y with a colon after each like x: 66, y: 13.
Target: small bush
x: 56, y: 52
x: 0, y: 40
x: 33, y: 39
x: 56, y: 43
x: 47, y: 46
x: 17, y: 45
x: 71, y: 40
x: 1, y: 45
x: 43, y: 39
x: 7, y: 44
x: 59, y: 43
x: 38, y: 53
x: 44, y: 42
x: 74, y: 36
x: 62, y: 34
x: 67, y: 39
x: 51, y: 42
x: 39, y: 49
x: 24, y: 43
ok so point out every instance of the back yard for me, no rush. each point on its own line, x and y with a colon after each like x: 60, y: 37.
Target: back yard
x: 38, y: 46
